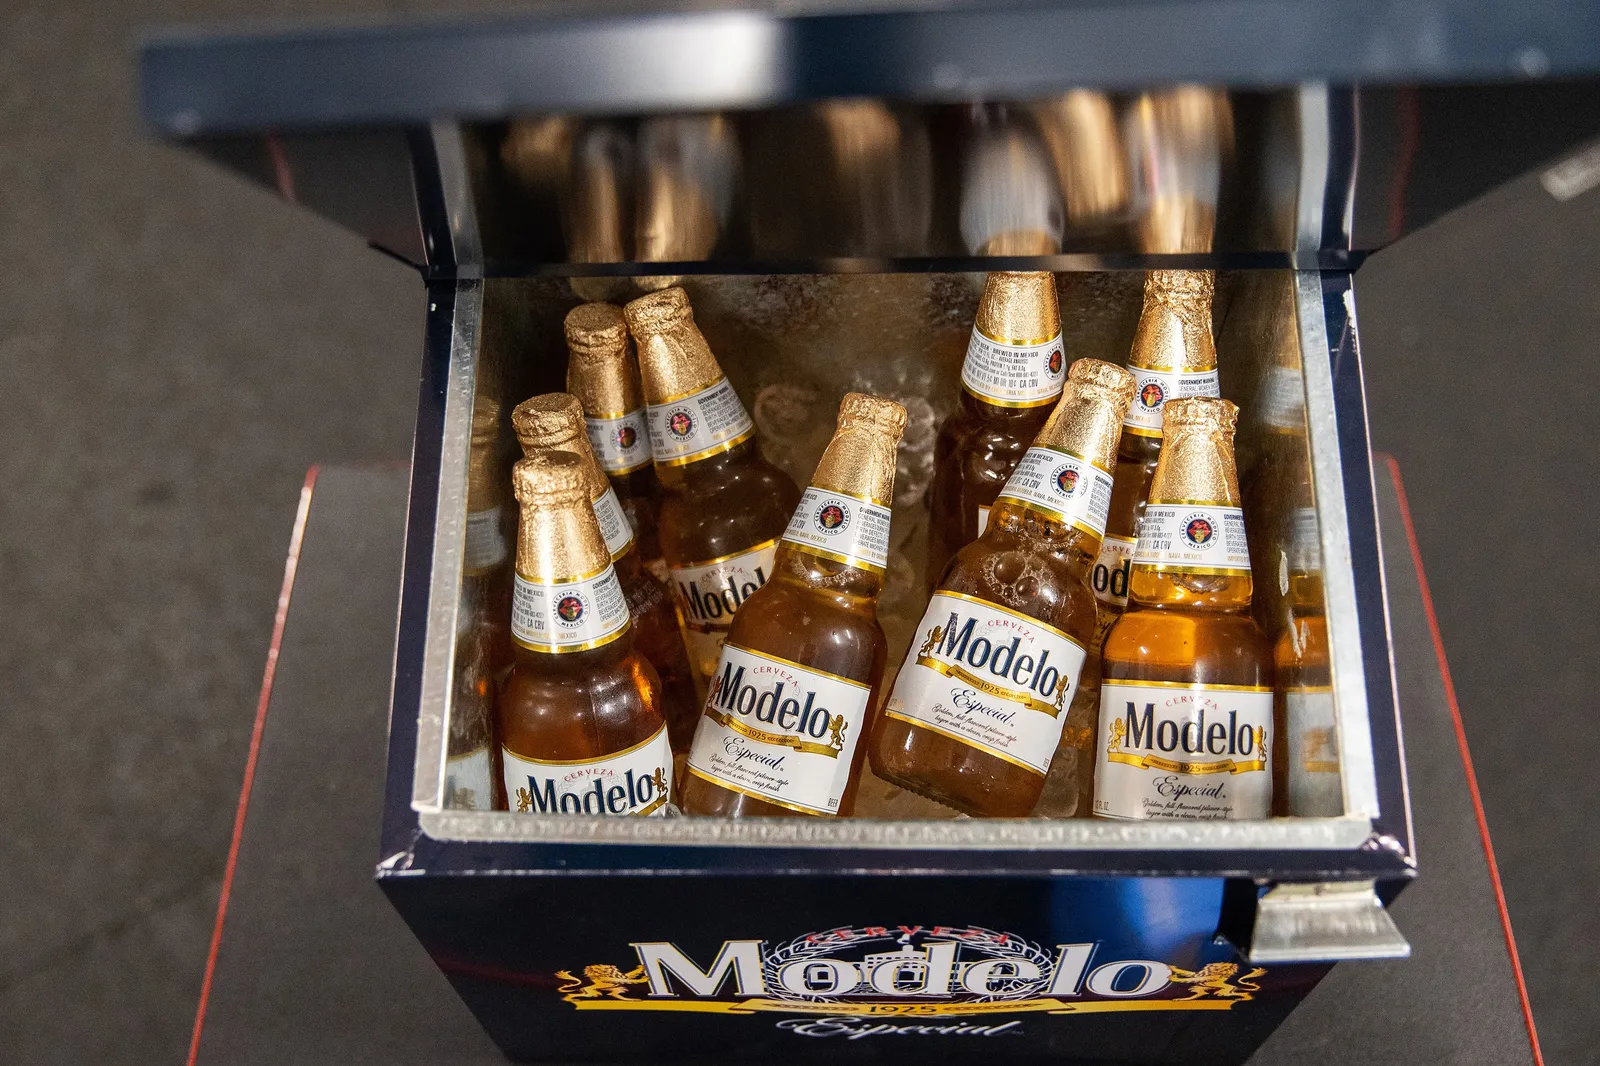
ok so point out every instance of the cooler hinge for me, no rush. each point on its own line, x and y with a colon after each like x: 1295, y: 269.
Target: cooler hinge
x: 1324, y: 922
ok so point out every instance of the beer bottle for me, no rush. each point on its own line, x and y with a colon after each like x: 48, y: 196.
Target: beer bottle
x: 723, y: 507
x: 1173, y: 356
x: 580, y: 720
x: 1306, y: 779
x: 602, y: 374
x: 1186, y: 717
x: 798, y: 677
x: 554, y: 422
x: 1012, y: 374
x: 978, y: 709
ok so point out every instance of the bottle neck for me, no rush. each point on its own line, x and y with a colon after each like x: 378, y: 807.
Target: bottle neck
x: 850, y: 586
x: 1077, y: 545
x: 1220, y: 593
x: 681, y: 476
x: 978, y: 409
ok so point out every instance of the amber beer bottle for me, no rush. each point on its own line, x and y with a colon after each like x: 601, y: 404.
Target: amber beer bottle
x: 554, y: 422
x: 1012, y: 375
x: 723, y: 506
x: 602, y: 374
x: 1173, y: 356
x: 1186, y: 717
x: 978, y: 709
x: 1307, y: 781
x: 798, y: 678
x: 580, y: 720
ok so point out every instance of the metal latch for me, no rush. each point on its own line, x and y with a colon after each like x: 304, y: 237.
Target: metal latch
x: 1324, y: 922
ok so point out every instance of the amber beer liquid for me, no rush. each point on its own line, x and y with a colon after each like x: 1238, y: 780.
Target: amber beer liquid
x: 554, y: 422
x: 1012, y: 376
x: 978, y: 709
x: 580, y: 722
x: 797, y: 682
x: 1306, y: 780
x: 723, y: 506
x: 602, y: 374
x: 1186, y: 705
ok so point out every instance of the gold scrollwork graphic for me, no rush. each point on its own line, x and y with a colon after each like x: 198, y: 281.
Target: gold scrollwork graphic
x: 966, y: 677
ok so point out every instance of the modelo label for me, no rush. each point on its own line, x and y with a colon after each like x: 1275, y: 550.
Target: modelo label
x: 1173, y: 750
x: 1065, y: 487
x: 1313, y: 772
x: 779, y: 731
x: 1193, y: 538
x: 848, y: 529
x: 1109, y: 578
x: 622, y: 444
x: 568, y: 616
x: 485, y: 546
x: 466, y: 781
x: 989, y: 677
x: 708, y: 594
x: 1152, y: 390
x: 700, y: 424
x: 1025, y: 374
x: 614, y: 524
x: 636, y: 782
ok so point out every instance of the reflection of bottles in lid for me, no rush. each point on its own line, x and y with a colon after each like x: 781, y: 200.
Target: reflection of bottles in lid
x: 1186, y: 682
x: 1012, y: 375
x: 554, y: 422
x: 597, y: 205
x: 723, y: 506
x: 486, y: 514
x: 1012, y: 617
x: 808, y: 642
x: 580, y: 714
x: 1177, y: 140
x: 686, y: 176
x: 1010, y: 203
x: 1080, y: 132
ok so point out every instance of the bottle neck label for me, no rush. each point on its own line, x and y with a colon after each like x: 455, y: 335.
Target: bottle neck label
x: 1065, y: 487
x: 485, y: 546
x: 708, y: 593
x: 614, y: 524
x: 778, y: 731
x: 567, y: 616
x: 1176, y: 750
x: 621, y: 444
x: 1193, y: 538
x: 847, y: 529
x: 1006, y: 374
x: 1315, y: 790
x: 698, y: 425
x: 636, y: 782
x: 990, y: 677
x: 466, y: 781
x: 1152, y: 390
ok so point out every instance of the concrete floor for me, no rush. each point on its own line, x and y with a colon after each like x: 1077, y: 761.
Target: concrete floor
x: 178, y: 347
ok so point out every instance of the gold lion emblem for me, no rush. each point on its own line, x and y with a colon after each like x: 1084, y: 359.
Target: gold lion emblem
x: 1119, y: 729
x: 1217, y: 980
x: 1061, y: 693
x: 604, y: 982
x: 935, y: 635
x: 836, y: 727
x: 1261, y: 741
x: 524, y: 801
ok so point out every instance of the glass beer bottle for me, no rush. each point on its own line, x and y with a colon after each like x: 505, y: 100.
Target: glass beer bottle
x: 602, y: 374
x: 554, y: 422
x: 723, y: 506
x: 1012, y: 374
x: 1306, y: 778
x: 1186, y: 706
x: 579, y: 717
x: 781, y: 733
x: 977, y: 712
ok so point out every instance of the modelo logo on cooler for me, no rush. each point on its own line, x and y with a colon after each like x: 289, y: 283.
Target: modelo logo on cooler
x: 903, y: 980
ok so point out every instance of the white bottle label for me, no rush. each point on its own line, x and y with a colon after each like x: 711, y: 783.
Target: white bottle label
x: 989, y: 677
x: 709, y: 593
x: 1174, y: 750
x: 1193, y: 539
x: 848, y: 529
x: 1066, y: 487
x: 1111, y: 568
x: 466, y: 781
x: 983, y: 519
x: 779, y: 731
x: 622, y: 444
x: 700, y: 424
x: 1152, y: 390
x: 614, y: 524
x: 485, y: 546
x: 1314, y: 785
x: 636, y: 782
x: 1028, y: 374
x: 565, y: 616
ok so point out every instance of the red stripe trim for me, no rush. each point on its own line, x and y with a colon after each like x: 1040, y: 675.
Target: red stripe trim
x: 290, y: 565
x: 1466, y: 756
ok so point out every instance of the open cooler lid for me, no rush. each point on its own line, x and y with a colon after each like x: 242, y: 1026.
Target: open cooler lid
x: 830, y: 136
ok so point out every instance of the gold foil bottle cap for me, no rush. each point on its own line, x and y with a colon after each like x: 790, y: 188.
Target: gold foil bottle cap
x: 600, y: 371
x: 1088, y: 420
x: 553, y: 422
x: 1197, y: 463
x: 1174, y: 330
x: 558, y: 537
x: 674, y: 359
x: 860, y: 460
x: 1019, y: 308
